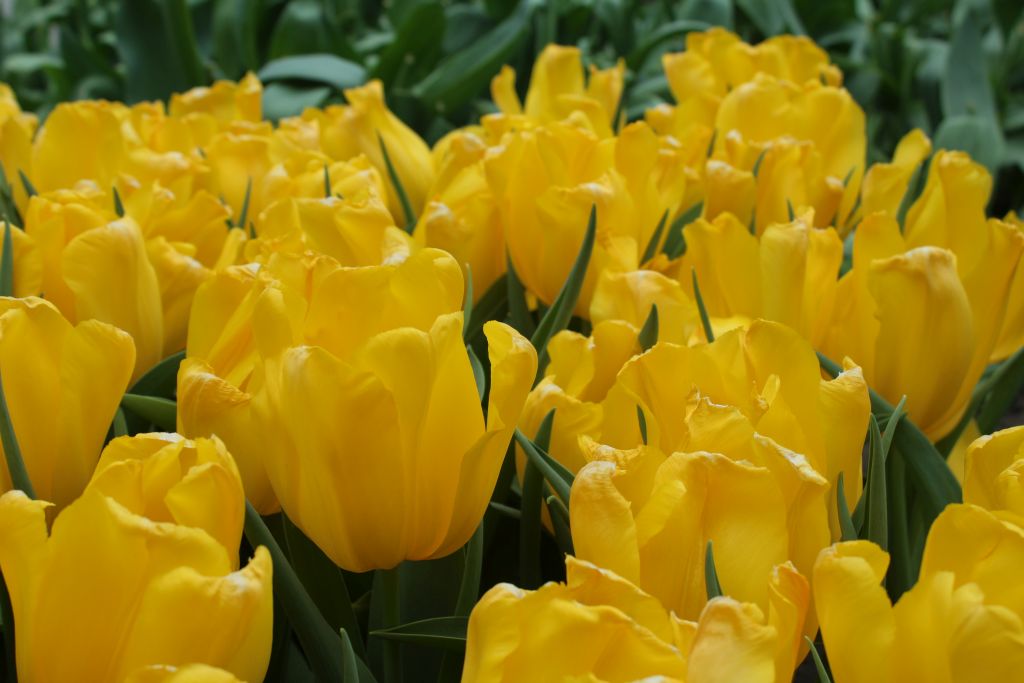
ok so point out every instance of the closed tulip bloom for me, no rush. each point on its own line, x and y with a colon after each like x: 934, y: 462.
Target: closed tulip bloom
x: 558, y: 88
x: 96, y: 266
x: 216, y: 106
x: 789, y: 275
x: 993, y: 472
x: 931, y: 295
x: 133, y: 573
x: 93, y: 129
x: 962, y: 621
x: 548, y: 179
x: 353, y: 129
x: 16, y: 131
x: 63, y: 384
x: 629, y: 297
x: 373, y: 435
x: 1011, y: 335
x: 599, y: 627
x: 886, y: 183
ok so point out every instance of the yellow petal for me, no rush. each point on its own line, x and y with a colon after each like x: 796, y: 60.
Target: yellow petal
x: 732, y: 644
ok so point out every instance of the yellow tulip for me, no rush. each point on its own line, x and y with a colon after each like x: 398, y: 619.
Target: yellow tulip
x: 221, y: 103
x: 133, y: 573
x: 28, y: 265
x: 93, y: 129
x: 629, y: 297
x: 962, y: 621
x: 97, y: 267
x: 993, y: 472
x: 886, y: 183
x: 599, y: 627
x: 189, y: 673
x: 1011, y: 336
x: 353, y: 129
x: 372, y: 433
x: 558, y: 88
x: 788, y: 275
x: 548, y: 179
x: 16, y: 131
x: 461, y: 215
x: 931, y: 296
x: 62, y: 384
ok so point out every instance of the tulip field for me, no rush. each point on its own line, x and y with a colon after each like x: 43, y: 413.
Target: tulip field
x: 512, y: 341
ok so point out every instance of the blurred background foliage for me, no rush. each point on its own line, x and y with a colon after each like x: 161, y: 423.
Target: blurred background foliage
x: 952, y: 68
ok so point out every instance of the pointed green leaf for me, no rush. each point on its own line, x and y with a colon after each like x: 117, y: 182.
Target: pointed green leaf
x: 396, y: 183
x: 914, y: 188
x: 467, y: 303
x: 478, y: 372
x: 1000, y: 392
x: 876, y: 515
x: 560, y: 523
x: 349, y: 663
x: 447, y: 633
x: 7, y: 263
x: 118, y: 206
x: 711, y: 583
x: 822, y: 674
x: 554, y: 472
x: 756, y: 169
x: 558, y: 316
x: 789, y: 210
x: 120, y: 427
x: 652, y: 244
x: 529, y: 526
x: 322, y: 68
x: 849, y: 531
x: 30, y: 189
x: 705, y: 321
x: 675, y: 241
x: 648, y: 336
x: 491, y: 306
x: 469, y: 589
x: 160, y: 380
x: 518, y: 311
x: 160, y: 411
x: 642, y: 421
x: 243, y: 217
x: 12, y: 452
x: 327, y: 181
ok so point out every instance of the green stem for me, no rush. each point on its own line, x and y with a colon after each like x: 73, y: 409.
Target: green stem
x: 392, y: 614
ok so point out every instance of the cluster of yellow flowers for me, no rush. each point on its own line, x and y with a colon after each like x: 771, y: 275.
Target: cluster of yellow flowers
x: 314, y: 272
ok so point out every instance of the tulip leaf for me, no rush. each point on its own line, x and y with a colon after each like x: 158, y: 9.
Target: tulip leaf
x: 319, y: 641
x: 327, y: 181
x: 818, y: 664
x: 557, y: 317
x: 705, y: 321
x: 325, y: 69
x: 243, y: 216
x: 932, y: 478
x: 642, y: 422
x: 1002, y: 387
x: 8, y: 208
x: 967, y: 87
x: 387, y: 588
x: 914, y: 188
x: 469, y: 588
x: 876, y: 518
x: 349, y: 662
x: 711, y: 583
x: 118, y: 206
x: 478, y: 372
x: 505, y: 510
x: 892, y: 423
x: 160, y: 379
x: 7, y: 262
x: 756, y: 169
x: 30, y: 189
x: 529, y: 526
x: 323, y: 581
x: 491, y: 306
x: 560, y: 522
x: 675, y: 241
x: 662, y: 34
x: 12, y: 451
x: 903, y: 569
x: 448, y: 633
x: 518, y: 311
x: 849, y: 531
x: 554, y: 472
x: 396, y: 183
x: 160, y: 411
x: 459, y: 77
x: 653, y: 243
x: 120, y: 426
x: 7, y: 632
x: 467, y: 302
x: 648, y: 336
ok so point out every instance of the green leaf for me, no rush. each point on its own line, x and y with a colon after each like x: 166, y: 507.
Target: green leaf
x: 705, y: 321
x: 323, y: 581
x: 160, y: 379
x: 560, y: 523
x: 118, y: 206
x: 711, y: 583
x: 12, y: 452
x: 460, y: 77
x: 30, y: 189
x: 1003, y: 388
x: 281, y: 100
x: 396, y: 183
x: 478, y: 372
x: 325, y: 69
x: 158, y: 49
x: 120, y: 426
x: 642, y: 422
x: 448, y: 633
x: 675, y: 242
x: 7, y: 263
x: 772, y: 17
x: 320, y: 643
x: 349, y: 662
x: 235, y: 28
x: 553, y: 471
x: 648, y: 336
x: 530, y: 526
x: 914, y: 188
x: 418, y: 39
x: 974, y: 134
x: 655, y: 241
x: 243, y: 216
x: 518, y: 311
x: 849, y: 531
x: 491, y: 306
x: 558, y: 316
x: 822, y: 674
x: 469, y: 589
x: 7, y: 621
x: 467, y: 302
x: 876, y: 516
x: 966, y: 88
x: 160, y: 411
x: 662, y: 34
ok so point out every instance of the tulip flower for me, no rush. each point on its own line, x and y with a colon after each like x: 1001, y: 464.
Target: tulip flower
x: 217, y: 106
x: 789, y: 275
x: 629, y: 297
x: 373, y: 437
x: 1011, y: 336
x: 190, y: 673
x: 558, y: 88
x: 28, y: 268
x: 547, y: 181
x: 97, y: 267
x: 16, y: 131
x: 63, y: 384
x: 360, y: 127
x: 962, y: 621
x: 929, y: 296
x: 992, y: 472
x: 134, y: 574
x: 618, y: 633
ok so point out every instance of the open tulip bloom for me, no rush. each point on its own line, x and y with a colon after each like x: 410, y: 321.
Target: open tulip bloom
x: 582, y: 391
